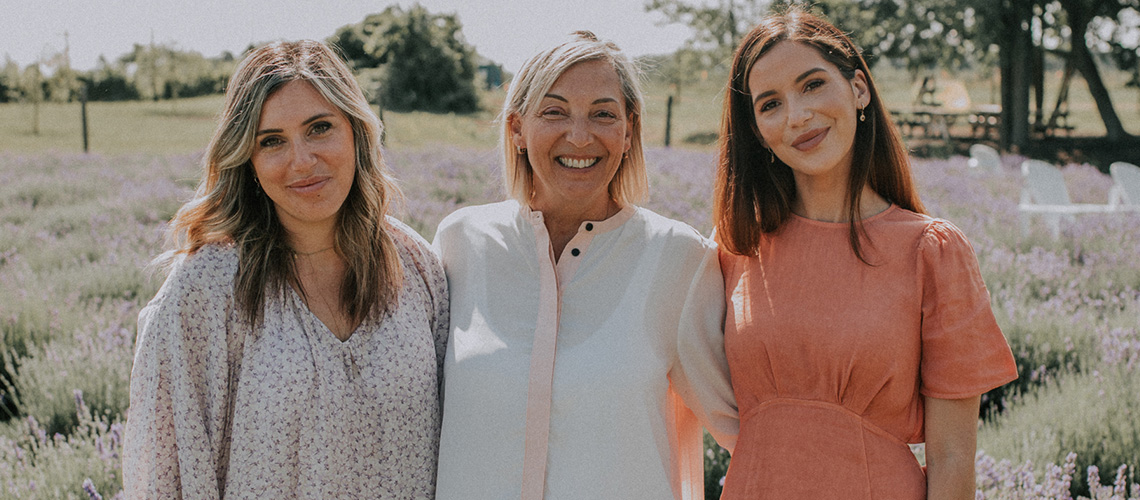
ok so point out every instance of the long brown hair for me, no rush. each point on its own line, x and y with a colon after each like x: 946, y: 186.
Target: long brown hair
x: 754, y: 194
x: 230, y: 208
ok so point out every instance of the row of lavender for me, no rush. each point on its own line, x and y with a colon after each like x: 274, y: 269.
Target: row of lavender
x: 76, y: 234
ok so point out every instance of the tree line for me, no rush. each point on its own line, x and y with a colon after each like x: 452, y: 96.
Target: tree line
x: 1013, y: 37
x: 411, y: 59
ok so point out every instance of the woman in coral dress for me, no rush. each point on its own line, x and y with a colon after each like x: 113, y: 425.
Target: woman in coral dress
x: 856, y: 324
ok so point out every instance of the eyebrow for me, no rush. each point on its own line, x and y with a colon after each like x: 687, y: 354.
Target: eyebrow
x: 803, y: 76
x: 311, y: 119
x: 597, y: 101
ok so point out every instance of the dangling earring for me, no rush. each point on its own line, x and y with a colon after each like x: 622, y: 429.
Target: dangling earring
x: 522, y: 151
x: 862, y: 114
x: 771, y: 156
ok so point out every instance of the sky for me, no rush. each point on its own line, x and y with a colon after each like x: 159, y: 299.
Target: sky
x: 507, y: 32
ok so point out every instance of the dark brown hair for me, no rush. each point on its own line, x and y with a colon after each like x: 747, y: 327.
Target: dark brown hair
x: 754, y: 194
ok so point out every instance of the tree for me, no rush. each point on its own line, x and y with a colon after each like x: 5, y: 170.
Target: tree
x: 32, y: 89
x: 423, y: 61
x: 162, y: 71
x: 953, y: 33
x: 717, y: 27
x: 10, y: 81
x: 1015, y: 35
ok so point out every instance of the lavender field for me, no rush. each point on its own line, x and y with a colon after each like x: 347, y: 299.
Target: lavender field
x: 77, y: 232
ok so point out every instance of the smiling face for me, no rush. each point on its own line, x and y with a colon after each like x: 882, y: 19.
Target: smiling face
x: 806, y: 110
x: 575, y: 139
x: 304, y: 157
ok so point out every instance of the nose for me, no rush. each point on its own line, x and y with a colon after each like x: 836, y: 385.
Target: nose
x: 798, y: 112
x: 304, y: 154
x: 579, y: 134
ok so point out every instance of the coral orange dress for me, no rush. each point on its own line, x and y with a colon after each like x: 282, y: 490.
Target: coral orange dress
x: 830, y: 357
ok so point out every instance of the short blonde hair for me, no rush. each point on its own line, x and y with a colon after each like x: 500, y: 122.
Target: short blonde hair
x: 535, y: 79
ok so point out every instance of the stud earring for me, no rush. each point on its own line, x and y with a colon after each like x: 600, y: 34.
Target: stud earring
x: 522, y: 151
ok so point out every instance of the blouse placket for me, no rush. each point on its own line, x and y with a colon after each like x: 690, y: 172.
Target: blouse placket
x: 553, y: 277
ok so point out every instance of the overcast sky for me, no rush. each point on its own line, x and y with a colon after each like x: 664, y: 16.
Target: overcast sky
x: 507, y: 32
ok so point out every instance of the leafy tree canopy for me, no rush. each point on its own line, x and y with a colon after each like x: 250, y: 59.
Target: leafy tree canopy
x: 424, y: 61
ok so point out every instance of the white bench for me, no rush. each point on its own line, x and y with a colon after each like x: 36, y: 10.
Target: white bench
x: 1044, y: 192
x: 1125, y: 194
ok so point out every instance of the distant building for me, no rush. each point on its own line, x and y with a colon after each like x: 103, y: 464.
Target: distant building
x: 491, y: 73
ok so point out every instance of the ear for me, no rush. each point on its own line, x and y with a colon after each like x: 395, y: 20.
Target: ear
x: 630, y: 120
x: 514, y: 124
x: 861, y: 89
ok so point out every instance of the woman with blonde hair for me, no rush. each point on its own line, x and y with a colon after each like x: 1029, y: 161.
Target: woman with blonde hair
x: 586, y: 330
x: 295, y: 349
x: 857, y: 324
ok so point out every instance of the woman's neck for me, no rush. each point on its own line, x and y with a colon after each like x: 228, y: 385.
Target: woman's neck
x: 563, y: 222
x: 830, y: 204
x: 305, y: 241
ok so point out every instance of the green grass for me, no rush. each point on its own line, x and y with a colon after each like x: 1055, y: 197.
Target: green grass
x: 185, y: 125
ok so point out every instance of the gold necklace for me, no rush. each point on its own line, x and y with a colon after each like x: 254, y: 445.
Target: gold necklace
x: 308, y: 254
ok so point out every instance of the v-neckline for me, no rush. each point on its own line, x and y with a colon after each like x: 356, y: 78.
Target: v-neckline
x: 327, y: 331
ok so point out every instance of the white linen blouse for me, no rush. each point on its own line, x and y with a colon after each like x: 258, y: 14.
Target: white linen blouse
x: 639, y: 318
x: 285, y: 410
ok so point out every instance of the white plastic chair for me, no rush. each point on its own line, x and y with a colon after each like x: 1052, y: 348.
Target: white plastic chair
x: 1125, y: 194
x: 1044, y: 192
x: 985, y: 157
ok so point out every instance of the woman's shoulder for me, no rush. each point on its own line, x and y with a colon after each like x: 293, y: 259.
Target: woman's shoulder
x: 473, y: 222
x: 671, y: 232
x: 482, y: 215
x: 199, y: 283
x: 406, y: 238
x: 924, y: 229
x: 212, y: 266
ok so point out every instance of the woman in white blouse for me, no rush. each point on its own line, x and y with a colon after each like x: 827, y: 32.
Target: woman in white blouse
x: 295, y: 349
x: 586, y: 331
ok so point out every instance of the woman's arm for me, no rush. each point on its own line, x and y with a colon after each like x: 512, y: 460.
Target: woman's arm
x: 701, y: 374
x: 951, y: 442
x: 176, y: 442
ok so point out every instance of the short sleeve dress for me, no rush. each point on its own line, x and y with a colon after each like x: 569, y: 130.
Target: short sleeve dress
x: 830, y: 358
x: 285, y: 410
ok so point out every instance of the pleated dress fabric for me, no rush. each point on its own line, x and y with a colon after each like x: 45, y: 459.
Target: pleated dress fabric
x: 831, y: 357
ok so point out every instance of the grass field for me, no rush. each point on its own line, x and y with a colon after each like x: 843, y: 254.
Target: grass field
x: 76, y: 232
x: 185, y: 125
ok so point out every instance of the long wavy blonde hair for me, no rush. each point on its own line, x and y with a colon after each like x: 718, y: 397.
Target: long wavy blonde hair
x: 229, y: 208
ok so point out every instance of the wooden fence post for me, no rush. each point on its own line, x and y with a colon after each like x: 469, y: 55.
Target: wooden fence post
x: 668, y: 121
x: 83, y: 113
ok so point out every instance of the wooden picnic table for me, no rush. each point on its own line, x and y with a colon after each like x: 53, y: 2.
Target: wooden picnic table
x: 937, y: 121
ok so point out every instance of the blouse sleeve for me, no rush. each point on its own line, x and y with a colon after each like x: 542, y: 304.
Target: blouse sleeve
x: 701, y: 376
x: 964, y: 353
x: 427, y: 263
x: 175, y: 444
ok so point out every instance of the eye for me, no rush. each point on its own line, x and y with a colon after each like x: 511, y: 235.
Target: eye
x: 319, y: 128
x: 768, y: 105
x: 270, y: 141
x: 606, y: 115
x: 812, y: 85
x: 552, y: 113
